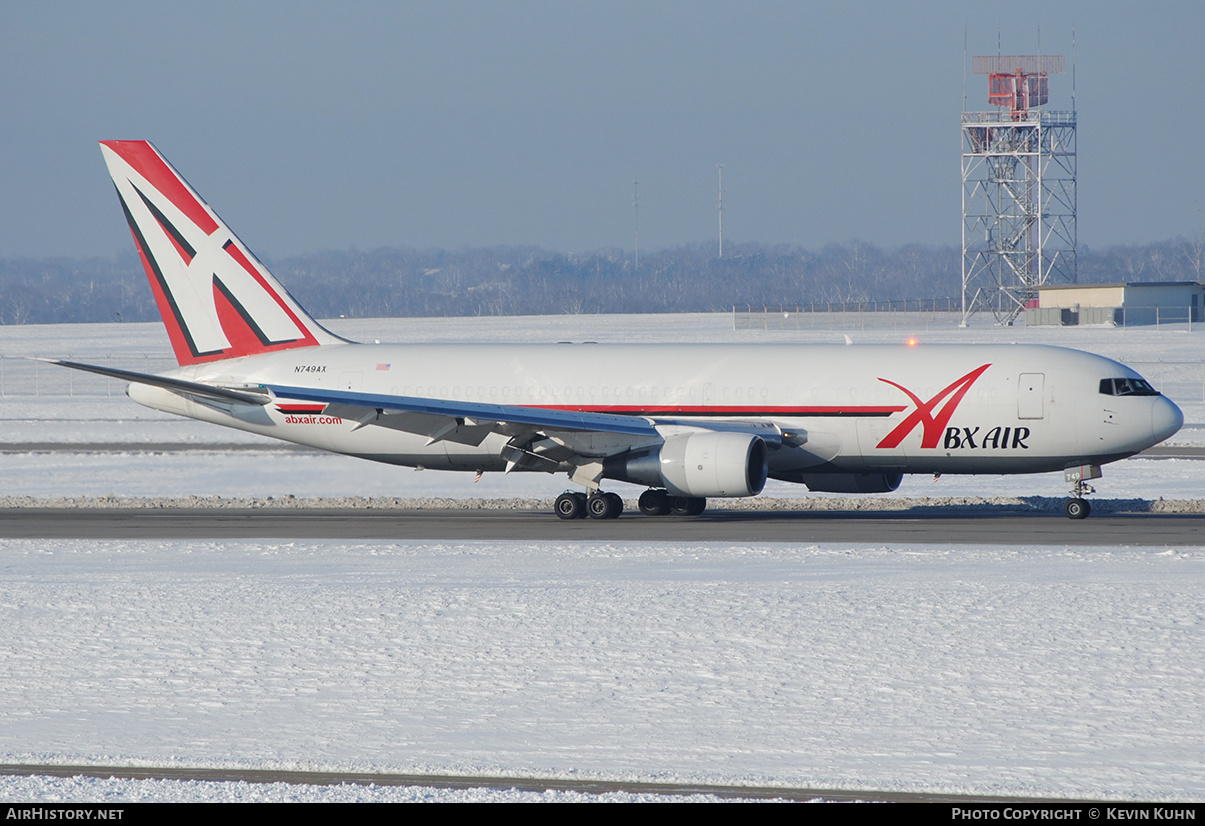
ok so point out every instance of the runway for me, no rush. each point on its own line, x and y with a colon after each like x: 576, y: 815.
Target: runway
x: 927, y: 526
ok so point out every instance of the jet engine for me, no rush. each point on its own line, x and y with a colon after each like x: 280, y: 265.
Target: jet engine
x: 696, y: 464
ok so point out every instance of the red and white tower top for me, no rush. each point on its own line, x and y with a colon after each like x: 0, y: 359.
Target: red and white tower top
x: 1018, y: 81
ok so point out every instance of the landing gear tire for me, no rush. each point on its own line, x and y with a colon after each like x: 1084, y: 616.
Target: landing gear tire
x: 617, y: 503
x: 687, y: 505
x: 570, y: 506
x: 1077, y: 508
x: 654, y: 502
x: 604, y: 505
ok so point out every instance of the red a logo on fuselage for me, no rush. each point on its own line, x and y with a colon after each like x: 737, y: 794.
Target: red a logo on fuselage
x: 933, y: 424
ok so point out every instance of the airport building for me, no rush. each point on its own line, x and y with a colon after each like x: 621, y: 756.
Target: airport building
x: 1159, y: 302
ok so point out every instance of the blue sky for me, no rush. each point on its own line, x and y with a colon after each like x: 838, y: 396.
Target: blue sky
x: 313, y: 126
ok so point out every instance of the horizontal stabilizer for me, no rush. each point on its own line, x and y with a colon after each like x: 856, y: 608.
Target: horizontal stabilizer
x: 190, y: 388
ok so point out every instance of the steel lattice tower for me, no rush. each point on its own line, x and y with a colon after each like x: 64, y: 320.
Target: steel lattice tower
x: 1018, y: 189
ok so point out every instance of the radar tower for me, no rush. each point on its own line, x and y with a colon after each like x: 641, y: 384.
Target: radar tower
x: 1018, y: 188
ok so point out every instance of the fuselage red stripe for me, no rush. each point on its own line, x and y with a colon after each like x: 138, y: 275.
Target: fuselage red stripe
x: 712, y: 410
x: 670, y: 410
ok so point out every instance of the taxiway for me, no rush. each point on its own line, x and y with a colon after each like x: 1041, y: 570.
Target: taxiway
x: 931, y: 526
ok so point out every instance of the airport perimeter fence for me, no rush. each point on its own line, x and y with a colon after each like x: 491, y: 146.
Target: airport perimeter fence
x: 908, y: 314
x: 21, y: 377
x: 1161, y: 318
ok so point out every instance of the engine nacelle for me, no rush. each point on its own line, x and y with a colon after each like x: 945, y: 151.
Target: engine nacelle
x: 697, y: 464
x: 852, y: 482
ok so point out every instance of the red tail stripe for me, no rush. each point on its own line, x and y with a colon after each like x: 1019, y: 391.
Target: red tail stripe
x: 305, y: 339
x: 146, y: 161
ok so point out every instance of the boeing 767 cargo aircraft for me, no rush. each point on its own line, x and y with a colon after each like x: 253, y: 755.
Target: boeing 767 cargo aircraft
x: 687, y: 421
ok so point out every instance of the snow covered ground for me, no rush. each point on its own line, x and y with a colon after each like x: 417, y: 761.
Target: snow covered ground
x: 1037, y: 671
x: 988, y: 669
x: 114, y: 790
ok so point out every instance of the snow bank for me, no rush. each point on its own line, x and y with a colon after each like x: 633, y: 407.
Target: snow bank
x: 918, y: 506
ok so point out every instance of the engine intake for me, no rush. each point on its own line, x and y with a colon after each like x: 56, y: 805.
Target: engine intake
x: 697, y: 464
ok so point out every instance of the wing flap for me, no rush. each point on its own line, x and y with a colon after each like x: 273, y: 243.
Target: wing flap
x: 438, y: 427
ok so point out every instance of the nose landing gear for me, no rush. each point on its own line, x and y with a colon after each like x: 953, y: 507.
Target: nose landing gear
x: 1077, y: 506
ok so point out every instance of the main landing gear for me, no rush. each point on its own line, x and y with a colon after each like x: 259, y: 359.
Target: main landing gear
x: 600, y: 505
x: 657, y: 502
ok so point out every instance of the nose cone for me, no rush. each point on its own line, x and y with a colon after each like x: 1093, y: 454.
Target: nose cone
x: 1166, y: 419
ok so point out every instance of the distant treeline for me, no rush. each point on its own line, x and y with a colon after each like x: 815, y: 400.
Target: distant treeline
x: 527, y: 280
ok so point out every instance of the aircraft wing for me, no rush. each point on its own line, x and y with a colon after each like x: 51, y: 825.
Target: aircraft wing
x: 440, y: 419
x: 534, y: 442
x: 348, y: 404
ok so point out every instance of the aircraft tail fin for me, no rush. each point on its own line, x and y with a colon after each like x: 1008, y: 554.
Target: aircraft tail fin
x: 216, y: 299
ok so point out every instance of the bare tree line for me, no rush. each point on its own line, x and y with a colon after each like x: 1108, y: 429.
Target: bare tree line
x: 527, y: 280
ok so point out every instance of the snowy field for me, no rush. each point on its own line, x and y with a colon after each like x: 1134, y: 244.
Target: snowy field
x: 1032, y: 671
x: 988, y: 669
x: 114, y: 790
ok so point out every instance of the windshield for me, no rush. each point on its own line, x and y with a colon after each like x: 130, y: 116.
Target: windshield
x: 1127, y: 387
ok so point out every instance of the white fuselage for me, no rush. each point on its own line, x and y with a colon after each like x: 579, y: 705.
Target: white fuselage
x: 842, y: 409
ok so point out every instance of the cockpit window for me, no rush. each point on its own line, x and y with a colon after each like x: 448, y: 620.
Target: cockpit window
x: 1127, y: 387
